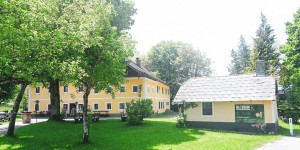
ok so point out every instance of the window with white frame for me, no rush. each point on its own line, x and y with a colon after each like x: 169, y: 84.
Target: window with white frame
x: 148, y: 89
x: 96, y: 91
x: 66, y: 89
x: 157, y: 89
x: 121, y: 106
x: 135, y: 88
x: 80, y: 107
x: 108, y: 106
x: 162, y: 90
x: 122, y: 89
x: 96, y: 106
x: 167, y: 103
x: 207, y: 109
x: 38, y: 90
x: 80, y: 88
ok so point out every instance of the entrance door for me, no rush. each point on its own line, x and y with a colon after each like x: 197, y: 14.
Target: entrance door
x: 72, y: 105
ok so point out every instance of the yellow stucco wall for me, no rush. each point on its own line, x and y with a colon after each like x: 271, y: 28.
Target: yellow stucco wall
x: 102, y: 97
x: 225, y: 111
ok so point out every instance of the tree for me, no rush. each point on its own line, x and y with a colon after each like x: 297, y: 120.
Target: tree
x: 176, y: 62
x: 104, y: 62
x: 239, y: 58
x: 264, y: 48
x: 290, y: 68
x: 7, y: 92
x: 138, y: 110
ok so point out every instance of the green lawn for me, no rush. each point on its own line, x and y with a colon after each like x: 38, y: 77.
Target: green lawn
x: 114, y: 134
x: 5, y: 107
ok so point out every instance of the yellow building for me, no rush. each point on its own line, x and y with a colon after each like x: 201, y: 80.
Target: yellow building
x: 140, y: 84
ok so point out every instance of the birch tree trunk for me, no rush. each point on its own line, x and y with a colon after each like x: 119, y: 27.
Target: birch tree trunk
x: 85, y: 116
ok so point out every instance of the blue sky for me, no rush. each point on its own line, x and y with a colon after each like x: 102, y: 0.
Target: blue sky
x: 213, y: 26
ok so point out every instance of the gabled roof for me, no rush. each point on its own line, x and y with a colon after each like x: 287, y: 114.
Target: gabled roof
x: 227, y: 88
x: 143, y: 72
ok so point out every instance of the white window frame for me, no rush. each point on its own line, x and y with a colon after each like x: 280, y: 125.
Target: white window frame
x: 67, y: 89
x: 94, y: 106
x: 110, y: 105
x: 79, y: 89
x: 137, y: 88
x: 39, y: 90
x: 212, y: 109
x: 124, y: 106
x: 78, y: 107
x: 124, y: 89
x: 96, y: 93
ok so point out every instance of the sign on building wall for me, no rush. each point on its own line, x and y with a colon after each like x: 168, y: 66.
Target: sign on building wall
x: 250, y: 113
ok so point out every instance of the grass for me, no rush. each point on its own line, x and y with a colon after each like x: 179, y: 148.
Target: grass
x: 5, y: 107
x: 165, y: 115
x: 114, y: 134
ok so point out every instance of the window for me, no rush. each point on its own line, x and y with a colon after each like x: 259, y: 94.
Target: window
x: 162, y: 90
x: 134, y: 88
x: 167, y: 103
x: 121, y: 106
x: 207, y: 108
x: 49, y: 107
x: 161, y: 105
x: 37, y: 107
x: 148, y: 89
x: 122, y: 89
x: 80, y: 88
x: 96, y: 90
x: 80, y: 107
x: 37, y: 90
x: 65, y: 106
x: 157, y: 89
x: 108, y: 106
x: 152, y: 89
x: 96, y: 106
x: 48, y: 88
x: 66, y: 89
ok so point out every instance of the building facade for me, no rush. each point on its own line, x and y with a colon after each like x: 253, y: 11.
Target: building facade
x: 139, y: 84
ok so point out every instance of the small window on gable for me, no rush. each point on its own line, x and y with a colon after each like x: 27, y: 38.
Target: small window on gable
x: 66, y: 89
x: 96, y: 90
x: 207, y: 109
x: 38, y: 90
x: 134, y: 88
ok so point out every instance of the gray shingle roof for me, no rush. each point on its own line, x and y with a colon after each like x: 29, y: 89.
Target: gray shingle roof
x: 227, y: 88
x: 144, y: 72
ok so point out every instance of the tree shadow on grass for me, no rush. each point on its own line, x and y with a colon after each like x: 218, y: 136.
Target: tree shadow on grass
x: 108, y: 134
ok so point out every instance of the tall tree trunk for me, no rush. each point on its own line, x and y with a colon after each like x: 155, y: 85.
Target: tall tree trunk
x: 85, y: 116
x: 11, y: 127
x: 55, y: 100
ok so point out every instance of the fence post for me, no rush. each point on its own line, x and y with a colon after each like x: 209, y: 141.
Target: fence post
x: 291, y: 126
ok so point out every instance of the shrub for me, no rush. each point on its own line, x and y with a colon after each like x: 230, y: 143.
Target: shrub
x: 138, y: 110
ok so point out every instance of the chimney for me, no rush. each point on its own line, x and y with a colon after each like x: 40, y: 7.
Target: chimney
x: 138, y: 62
x: 260, y: 68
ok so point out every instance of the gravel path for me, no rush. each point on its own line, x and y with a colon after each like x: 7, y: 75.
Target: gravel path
x: 285, y: 143
x: 4, y: 127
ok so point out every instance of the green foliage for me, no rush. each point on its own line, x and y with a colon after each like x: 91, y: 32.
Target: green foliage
x: 264, y: 48
x: 8, y: 92
x: 239, y: 58
x: 290, y: 68
x: 138, y: 110
x: 176, y: 62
